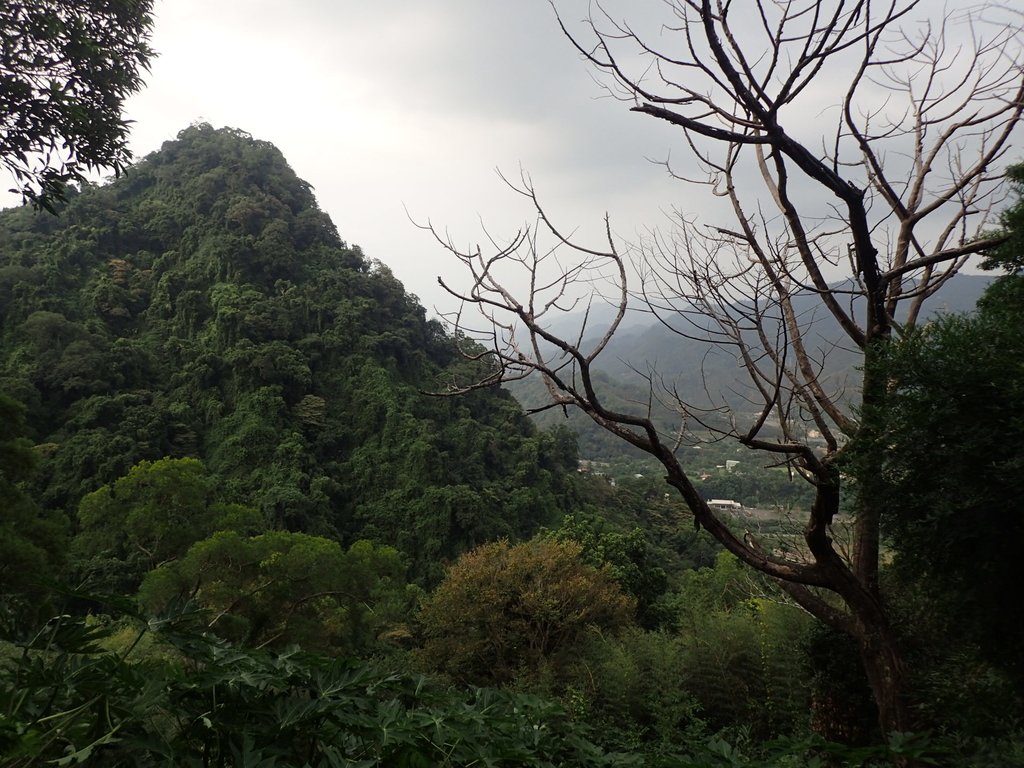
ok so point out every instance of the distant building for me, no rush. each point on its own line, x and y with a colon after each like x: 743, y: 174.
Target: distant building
x: 730, y: 465
x: 726, y: 505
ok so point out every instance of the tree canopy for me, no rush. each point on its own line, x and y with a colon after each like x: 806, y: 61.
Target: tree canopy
x: 203, y: 307
x: 33, y: 540
x: 505, y: 611
x: 67, y: 66
x: 952, y: 438
x: 279, y: 589
x: 152, y: 516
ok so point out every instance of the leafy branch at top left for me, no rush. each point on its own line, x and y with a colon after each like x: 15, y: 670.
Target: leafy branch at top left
x: 66, y: 68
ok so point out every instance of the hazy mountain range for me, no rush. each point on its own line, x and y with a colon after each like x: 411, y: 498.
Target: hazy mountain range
x: 645, y: 348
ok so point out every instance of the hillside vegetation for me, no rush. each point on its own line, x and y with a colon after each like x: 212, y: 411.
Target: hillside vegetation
x: 203, y: 306
x: 237, y: 530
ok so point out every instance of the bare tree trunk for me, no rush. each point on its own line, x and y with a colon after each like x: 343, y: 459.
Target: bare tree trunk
x: 887, y: 675
x: 866, y: 622
x: 879, y: 648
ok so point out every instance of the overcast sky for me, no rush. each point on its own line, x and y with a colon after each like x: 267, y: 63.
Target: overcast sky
x: 393, y: 105
x: 400, y: 104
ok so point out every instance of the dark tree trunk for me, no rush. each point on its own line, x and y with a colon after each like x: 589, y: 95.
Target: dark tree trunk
x: 887, y: 675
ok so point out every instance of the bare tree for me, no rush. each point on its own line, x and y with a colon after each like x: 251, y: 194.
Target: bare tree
x: 859, y: 150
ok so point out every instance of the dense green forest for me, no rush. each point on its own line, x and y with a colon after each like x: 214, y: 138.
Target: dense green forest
x: 264, y: 542
x: 256, y: 509
x: 204, y: 307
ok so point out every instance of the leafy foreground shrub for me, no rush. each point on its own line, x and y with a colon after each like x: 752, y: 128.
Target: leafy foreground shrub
x: 903, y: 750
x: 65, y: 701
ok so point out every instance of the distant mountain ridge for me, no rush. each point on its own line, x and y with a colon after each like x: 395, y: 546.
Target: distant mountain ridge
x: 641, y: 348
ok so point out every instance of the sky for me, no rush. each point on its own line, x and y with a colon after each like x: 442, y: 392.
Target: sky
x: 399, y: 111
x: 404, y: 111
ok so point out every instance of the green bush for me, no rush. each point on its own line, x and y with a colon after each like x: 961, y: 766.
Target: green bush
x: 65, y: 701
x: 509, y: 613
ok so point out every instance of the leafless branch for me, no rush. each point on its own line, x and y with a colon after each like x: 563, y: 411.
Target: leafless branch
x: 859, y: 152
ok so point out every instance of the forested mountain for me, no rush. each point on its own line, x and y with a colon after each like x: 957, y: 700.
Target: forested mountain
x: 203, y: 306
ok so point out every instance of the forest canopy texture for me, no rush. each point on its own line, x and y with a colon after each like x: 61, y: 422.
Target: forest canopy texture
x: 203, y: 306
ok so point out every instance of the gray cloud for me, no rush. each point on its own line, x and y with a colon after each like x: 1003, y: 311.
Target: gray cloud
x: 399, y: 103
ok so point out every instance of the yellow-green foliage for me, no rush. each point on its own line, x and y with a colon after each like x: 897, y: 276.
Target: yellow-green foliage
x: 633, y: 687
x: 505, y: 612
x: 734, y: 662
